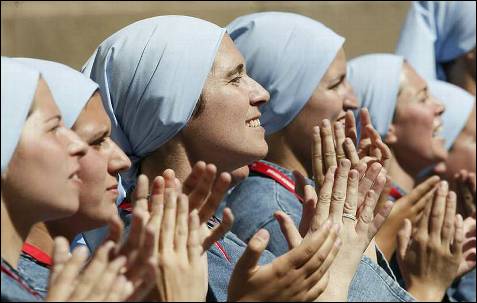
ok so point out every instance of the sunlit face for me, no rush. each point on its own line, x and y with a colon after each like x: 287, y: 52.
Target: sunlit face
x: 417, y: 120
x: 42, y: 177
x: 332, y: 97
x: 99, y: 168
x: 227, y: 132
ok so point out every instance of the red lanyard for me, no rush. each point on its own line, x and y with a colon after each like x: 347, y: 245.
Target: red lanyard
x: 37, y: 254
x: 395, y: 193
x: 275, y: 174
x: 9, y: 272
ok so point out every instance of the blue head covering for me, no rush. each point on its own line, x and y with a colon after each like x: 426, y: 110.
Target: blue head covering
x: 458, y: 103
x: 151, y: 74
x: 375, y: 79
x: 287, y: 54
x: 19, y: 84
x: 436, y: 32
x: 70, y: 88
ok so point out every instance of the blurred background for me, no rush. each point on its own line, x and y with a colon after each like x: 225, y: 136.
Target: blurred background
x: 69, y: 31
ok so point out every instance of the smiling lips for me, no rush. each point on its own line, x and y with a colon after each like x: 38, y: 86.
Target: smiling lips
x: 253, y: 123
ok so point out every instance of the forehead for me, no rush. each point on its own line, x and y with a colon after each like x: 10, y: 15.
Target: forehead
x: 43, y: 100
x: 411, y: 81
x: 227, y: 58
x: 93, y: 112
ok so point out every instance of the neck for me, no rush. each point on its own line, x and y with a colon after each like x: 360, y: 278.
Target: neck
x: 40, y: 237
x: 400, y: 176
x: 14, y: 232
x: 281, y: 153
x: 171, y: 155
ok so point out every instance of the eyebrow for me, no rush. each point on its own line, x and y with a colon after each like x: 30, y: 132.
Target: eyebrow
x: 100, y: 134
x: 237, y: 70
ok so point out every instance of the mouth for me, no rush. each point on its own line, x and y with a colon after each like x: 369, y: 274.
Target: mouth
x: 113, y: 187
x: 254, y: 122
x: 74, y: 175
x: 436, y: 133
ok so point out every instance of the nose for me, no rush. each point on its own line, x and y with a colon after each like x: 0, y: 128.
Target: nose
x: 258, y: 95
x: 76, y: 146
x: 439, y: 108
x: 350, y: 101
x: 118, y: 161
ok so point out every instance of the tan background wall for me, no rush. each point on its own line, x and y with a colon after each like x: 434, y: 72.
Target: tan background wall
x: 69, y: 31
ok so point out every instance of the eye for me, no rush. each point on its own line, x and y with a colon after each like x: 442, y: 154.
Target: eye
x: 236, y: 80
x: 99, y: 142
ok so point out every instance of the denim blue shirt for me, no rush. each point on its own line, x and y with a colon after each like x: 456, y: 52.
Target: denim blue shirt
x: 12, y: 290
x: 35, y: 273
x: 253, y: 203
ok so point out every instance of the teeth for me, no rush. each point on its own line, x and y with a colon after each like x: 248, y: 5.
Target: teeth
x: 437, y: 131
x: 253, y: 123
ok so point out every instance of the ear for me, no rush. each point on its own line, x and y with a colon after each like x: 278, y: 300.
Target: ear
x: 391, y: 137
x: 440, y: 168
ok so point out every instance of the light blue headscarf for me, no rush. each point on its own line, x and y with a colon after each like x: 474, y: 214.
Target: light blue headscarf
x: 151, y: 74
x: 71, y: 90
x: 19, y: 84
x: 287, y: 54
x: 375, y: 80
x: 458, y: 103
x: 436, y: 32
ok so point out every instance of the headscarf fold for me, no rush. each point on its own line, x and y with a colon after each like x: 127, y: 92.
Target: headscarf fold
x: 287, y: 54
x: 151, y: 74
x: 19, y: 84
x: 71, y: 90
x: 458, y: 103
x: 436, y: 32
x: 375, y: 80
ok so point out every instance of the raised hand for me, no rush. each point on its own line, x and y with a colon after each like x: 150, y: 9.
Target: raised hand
x: 466, y: 186
x: 299, y: 275
x: 468, y: 249
x: 409, y: 207
x: 429, y: 263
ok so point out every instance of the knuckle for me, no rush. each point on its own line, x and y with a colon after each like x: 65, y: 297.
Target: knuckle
x: 339, y: 196
x: 324, y: 198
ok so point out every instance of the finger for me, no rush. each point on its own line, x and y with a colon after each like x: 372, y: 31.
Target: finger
x: 351, y: 152
x: 379, y: 182
x: 423, y: 223
x: 324, y: 200
x: 169, y: 178
x: 288, y: 229
x: 300, y: 183
x: 365, y: 118
x: 366, y: 183
x: 145, y: 253
x: 386, y: 154
x: 219, y: 190
x: 219, y: 230
x: 351, y: 204
x: 438, y: 211
x: 102, y: 290
x: 133, y: 241
x: 338, y: 196
x: 350, y: 127
x: 115, y: 295
x: 200, y: 193
x: 366, y: 217
x: 380, y: 216
x: 308, y: 212
x: 317, y: 157
x: 64, y: 283
x: 60, y: 256
x: 403, y: 238
x: 325, y: 259
x: 93, y: 271
x: 182, y: 218
x: 383, y: 197
x: 157, y: 210
x: 249, y: 259
x: 423, y: 188
x: 141, y: 193
x: 298, y: 256
x: 318, y: 288
x: 419, y: 206
x: 328, y: 145
x: 168, y: 221
x: 340, y: 138
x: 194, y: 177
x: 456, y: 247
x: 116, y: 228
x: 193, y: 242
x: 449, y: 217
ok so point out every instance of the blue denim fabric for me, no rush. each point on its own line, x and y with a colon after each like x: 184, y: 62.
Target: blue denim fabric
x: 253, y: 203
x: 35, y: 274
x: 12, y: 291
x: 463, y: 290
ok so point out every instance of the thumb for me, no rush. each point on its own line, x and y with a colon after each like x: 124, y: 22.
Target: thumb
x: 403, y: 238
x: 249, y: 259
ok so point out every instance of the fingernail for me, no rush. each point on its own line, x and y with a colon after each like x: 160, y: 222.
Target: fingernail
x: 326, y: 123
x: 263, y: 235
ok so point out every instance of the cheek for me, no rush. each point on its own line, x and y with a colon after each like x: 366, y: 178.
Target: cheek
x: 416, y: 122
x: 93, y: 171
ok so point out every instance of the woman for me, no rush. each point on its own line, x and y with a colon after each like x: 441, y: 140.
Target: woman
x: 38, y: 152
x: 408, y: 118
x: 303, y: 65
x: 438, y: 40
x: 190, y: 101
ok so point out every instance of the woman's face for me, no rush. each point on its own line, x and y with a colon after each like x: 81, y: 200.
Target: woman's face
x: 330, y: 100
x: 42, y: 177
x: 416, y: 124
x: 99, y: 168
x: 227, y: 131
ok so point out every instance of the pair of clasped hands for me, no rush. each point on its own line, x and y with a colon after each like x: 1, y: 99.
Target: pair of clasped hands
x: 164, y: 255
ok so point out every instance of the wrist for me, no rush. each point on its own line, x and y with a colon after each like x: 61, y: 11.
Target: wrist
x: 426, y: 293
